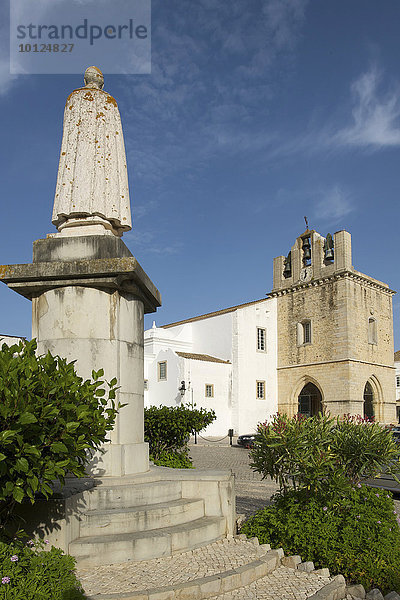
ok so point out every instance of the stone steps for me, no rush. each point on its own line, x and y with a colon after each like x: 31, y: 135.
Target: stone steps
x: 114, y: 521
x: 144, y: 545
x: 230, y: 568
x: 145, y: 516
x: 138, y: 494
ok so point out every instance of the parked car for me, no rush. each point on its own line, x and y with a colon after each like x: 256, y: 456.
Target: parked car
x: 247, y: 440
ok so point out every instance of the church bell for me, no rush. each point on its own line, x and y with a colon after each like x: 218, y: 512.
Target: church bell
x: 287, y: 271
x: 329, y: 254
x: 306, y: 249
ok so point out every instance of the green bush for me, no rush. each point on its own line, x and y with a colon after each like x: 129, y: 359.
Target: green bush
x: 322, y: 455
x: 357, y: 536
x: 31, y: 573
x: 168, y: 429
x: 174, y: 460
x: 50, y: 423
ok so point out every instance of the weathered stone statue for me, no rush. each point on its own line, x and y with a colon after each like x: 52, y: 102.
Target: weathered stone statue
x: 92, y: 193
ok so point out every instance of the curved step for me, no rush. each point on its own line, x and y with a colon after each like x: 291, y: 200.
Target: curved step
x: 261, y: 562
x: 140, y: 494
x: 108, y: 549
x: 141, y: 518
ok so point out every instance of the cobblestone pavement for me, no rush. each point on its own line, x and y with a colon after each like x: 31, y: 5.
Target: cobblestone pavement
x: 215, y: 558
x: 252, y: 493
x: 221, y: 556
x: 281, y: 584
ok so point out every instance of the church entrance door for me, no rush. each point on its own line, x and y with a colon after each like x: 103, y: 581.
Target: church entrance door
x: 369, y: 412
x: 310, y: 401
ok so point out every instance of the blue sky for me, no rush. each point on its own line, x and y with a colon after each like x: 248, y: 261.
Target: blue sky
x: 256, y: 113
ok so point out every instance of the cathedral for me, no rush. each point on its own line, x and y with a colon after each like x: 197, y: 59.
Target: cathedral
x: 322, y: 341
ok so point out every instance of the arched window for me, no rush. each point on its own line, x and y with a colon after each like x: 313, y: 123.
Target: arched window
x: 369, y: 412
x: 372, y: 331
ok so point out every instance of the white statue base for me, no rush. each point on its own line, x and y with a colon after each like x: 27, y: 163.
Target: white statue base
x: 89, y: 296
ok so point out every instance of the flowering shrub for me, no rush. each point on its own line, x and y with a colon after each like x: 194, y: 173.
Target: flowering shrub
x: 357, y: 535
x: 28, y: 572
x: 322, y: 455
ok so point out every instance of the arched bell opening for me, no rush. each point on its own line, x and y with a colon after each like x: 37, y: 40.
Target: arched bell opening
x: 369, y: 410
x: 310, y: 401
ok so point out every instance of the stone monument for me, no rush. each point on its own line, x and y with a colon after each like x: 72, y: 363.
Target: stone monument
x: 88, y: 292
x: 89, y: 296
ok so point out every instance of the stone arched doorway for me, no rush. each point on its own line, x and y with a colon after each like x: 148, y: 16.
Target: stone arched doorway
x: 369, y: 410
x: 310, y: 401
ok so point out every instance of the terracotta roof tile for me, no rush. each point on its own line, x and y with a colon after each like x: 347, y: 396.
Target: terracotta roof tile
x: 205, y: 357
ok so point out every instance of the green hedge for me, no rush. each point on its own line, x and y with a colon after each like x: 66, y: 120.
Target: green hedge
x: 357, y: 536
x: 167, y: 429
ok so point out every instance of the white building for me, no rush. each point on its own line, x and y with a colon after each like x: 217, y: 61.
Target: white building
x: 9, y: 340
x: 225, y: 360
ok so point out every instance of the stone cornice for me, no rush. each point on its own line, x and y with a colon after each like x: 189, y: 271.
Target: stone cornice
x: 341, y: 360
x: 346, y: 274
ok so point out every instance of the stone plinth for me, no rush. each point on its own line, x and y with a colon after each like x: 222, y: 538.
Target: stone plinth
x: 89, y: 295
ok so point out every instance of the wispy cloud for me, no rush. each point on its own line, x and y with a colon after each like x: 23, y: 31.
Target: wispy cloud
x: 333, y: 204
x: 375, y: 114
x: 149, y: 242
x: 373, y: 123
x: 213, y: 74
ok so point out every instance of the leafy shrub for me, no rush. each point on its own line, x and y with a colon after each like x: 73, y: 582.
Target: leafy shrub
x: 173, y: 459
x: 169, y: 428
x: 322, y: 455
x: 365, y: 448
x: 31, y: 573
x: 357, y: 536
x: 50, y: 423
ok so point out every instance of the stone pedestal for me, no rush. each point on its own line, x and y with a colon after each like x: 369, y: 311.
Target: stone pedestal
x: 89, y: 295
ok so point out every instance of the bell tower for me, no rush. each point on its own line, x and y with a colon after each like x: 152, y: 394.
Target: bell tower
x: 335, y: 332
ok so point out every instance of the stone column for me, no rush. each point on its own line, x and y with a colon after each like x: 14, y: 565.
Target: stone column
x: 89, y: 307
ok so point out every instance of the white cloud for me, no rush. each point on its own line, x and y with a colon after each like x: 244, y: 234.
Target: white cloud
x: 333, y: 204
x: 375, y: 114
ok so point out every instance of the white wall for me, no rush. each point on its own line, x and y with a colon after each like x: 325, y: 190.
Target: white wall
x: 163, y: 392
x: 10, y: 340
x: 251, y: 365
x: 197, y: 374
x: 213, y: 336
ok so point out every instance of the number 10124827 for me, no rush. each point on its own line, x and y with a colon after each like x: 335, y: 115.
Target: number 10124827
x: 45, y: 47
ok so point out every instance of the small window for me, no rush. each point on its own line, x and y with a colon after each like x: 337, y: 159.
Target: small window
x: 209, y: 390
x: 162, y: 371
x: 261, y: 339
x: 304, y: 333
x: 372, y: 331
x: 146, y: 385
x: 307, y: 332
x: 260, y: 390
x: 397, y: 380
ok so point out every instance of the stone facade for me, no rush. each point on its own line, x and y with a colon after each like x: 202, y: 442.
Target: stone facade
x: 335, y: 331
